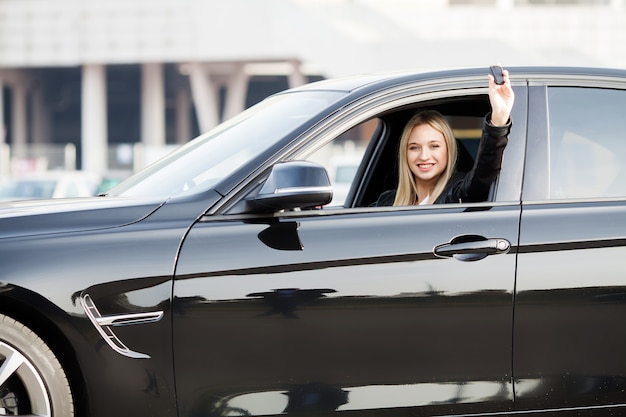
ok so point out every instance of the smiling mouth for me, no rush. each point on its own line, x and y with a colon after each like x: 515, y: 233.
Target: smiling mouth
x: 425, y: 167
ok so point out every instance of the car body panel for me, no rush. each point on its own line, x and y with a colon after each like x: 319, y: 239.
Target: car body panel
x: 345, y: 310
x: 67, y: 215
x: 124, y: 270
x: 570, y: 305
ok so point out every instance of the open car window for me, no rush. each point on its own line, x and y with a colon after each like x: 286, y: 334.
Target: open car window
x: 362, y: 162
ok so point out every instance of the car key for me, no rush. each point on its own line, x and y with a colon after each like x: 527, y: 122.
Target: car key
x: 496, y: 71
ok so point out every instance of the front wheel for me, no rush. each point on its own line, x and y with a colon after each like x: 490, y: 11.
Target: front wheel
x: 32, y: 381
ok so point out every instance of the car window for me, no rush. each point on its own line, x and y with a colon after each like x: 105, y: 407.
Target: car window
x: 376, y: 141
x: 203, y: 162
x: 342, y: 157
x: 587, y: 143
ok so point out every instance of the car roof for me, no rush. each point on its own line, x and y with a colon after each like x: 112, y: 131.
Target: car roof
x: 380, y: 80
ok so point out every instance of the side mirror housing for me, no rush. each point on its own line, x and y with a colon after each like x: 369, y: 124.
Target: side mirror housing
x: 291, y: 185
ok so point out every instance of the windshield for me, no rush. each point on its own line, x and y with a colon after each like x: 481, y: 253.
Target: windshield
x: 203, y: 162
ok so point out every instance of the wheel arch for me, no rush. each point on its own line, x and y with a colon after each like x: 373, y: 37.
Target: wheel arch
x: 49, y: 331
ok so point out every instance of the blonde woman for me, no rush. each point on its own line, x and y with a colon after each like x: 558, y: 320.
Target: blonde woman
x: 427, y: 155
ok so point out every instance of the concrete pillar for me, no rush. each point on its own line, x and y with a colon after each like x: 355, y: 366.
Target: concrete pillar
x: 40, y: 118
x: 236, y: 90
x: 204, y: 97
x: 19, y: 117
x: 5, y: 156
x: 3, y: 129
x: 296, y: 77
x: 152, y: 104
x: 94, y: 119
x: 5, y: 161
x: 183, y: 116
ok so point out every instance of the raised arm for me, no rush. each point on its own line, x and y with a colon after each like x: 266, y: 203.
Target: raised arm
x: 501, y: 98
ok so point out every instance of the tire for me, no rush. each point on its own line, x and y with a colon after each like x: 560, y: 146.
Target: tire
x: 32, y: 380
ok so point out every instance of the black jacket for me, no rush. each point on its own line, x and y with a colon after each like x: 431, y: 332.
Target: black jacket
x: 472, y: 186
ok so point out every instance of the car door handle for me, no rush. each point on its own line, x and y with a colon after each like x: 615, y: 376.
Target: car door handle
x: 472, y: 248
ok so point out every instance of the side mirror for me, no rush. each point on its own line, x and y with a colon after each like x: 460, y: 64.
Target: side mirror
x: 290, y: 185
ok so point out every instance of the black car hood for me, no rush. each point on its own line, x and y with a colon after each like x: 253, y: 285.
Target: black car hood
x: 36, y: 217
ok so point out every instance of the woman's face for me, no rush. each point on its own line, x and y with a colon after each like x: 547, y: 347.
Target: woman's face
x: 427, y: 153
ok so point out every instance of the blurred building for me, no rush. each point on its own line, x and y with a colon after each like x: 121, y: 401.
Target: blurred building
x: 85, y: 82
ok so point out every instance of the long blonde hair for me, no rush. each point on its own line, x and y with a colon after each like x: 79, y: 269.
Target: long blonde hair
x: 406, y: 194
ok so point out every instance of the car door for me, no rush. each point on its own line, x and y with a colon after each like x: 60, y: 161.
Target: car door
x: 570, y: 314
x: 382, y: 311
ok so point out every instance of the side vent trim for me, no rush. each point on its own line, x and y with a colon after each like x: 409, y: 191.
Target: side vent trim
x: 103, y: 325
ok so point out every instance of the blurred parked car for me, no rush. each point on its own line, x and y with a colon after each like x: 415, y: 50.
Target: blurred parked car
x: 219, y: 282
x: 341, y: 172
x: 50, y: 184
x: 110, y: 180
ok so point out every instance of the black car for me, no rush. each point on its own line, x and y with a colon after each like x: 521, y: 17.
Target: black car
x: 222, y: 281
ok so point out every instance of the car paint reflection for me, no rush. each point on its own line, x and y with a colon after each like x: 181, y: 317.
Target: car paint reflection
x: 285, y: 301
x: 548, y: 392
x: 321, y: 398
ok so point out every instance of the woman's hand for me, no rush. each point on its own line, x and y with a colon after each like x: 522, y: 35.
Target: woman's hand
x: 501, y: 98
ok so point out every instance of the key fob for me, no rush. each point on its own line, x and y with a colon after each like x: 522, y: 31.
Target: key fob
x: 496, y: 71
